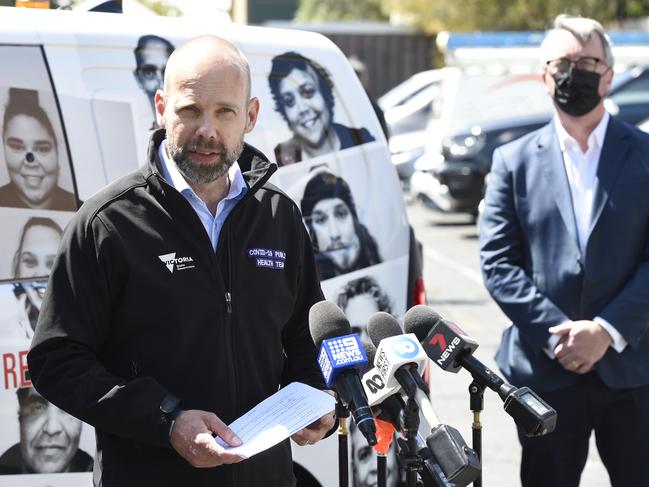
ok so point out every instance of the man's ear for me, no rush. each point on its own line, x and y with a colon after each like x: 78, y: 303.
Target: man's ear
x: 251, y: 115
x: 160, y: 105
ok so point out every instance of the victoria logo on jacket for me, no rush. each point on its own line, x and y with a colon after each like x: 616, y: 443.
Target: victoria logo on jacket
x: 176, y: 263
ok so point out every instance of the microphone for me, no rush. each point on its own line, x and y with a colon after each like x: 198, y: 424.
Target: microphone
x: 340, y: 358
x: 451, y: 349
x: 397, y: 355
x: 386, y: 403
x: 401, y: 358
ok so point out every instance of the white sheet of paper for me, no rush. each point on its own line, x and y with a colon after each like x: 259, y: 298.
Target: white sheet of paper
x: 277, y: 417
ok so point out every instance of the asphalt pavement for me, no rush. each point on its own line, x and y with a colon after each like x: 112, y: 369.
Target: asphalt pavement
x: 454, y: 289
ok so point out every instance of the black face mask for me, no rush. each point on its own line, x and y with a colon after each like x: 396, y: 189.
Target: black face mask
x: 576, y: 91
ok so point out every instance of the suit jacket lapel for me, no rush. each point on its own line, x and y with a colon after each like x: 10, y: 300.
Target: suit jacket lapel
x: 551, y: 159
x: 614, y: 153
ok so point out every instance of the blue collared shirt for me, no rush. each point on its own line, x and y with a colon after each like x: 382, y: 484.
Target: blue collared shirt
x: 212, y: 223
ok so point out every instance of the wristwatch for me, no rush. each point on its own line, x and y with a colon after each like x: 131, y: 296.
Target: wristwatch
x: 170, y: 409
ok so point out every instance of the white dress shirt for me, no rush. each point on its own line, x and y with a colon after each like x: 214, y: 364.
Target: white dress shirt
x: 212, y: 223
x: 581, y: 169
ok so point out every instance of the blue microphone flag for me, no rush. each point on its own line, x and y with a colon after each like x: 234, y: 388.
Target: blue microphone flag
x: 339, y: 354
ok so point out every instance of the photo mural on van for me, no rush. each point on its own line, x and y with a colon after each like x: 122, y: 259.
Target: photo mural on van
x: 303, y: 94
x: 37, y: 200
x: 31, y: 155
x: 151, y: 55
x: 95, y: 83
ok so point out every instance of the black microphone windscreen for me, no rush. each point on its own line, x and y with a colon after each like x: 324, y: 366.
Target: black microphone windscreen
x: 370, y: 351
x: 382, y: 325
x: 326, y: 320
x: 419, y: 320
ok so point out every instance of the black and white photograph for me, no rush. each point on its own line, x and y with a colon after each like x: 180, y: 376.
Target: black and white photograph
x: 33, y: 155
x: 360, y: 298
x: 362, y: 293
x: 48, y: 439
x: 30, y: 243
x: 42, y: 444
x: 303, y: 94
x: 341, y: 242
x: 151, y: 55
x: 346, y: 206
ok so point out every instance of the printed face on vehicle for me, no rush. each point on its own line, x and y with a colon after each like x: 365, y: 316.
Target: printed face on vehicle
x: 49, y: 437
x: 304, y: 106
x: 335, y: 231
x: 32, y: 159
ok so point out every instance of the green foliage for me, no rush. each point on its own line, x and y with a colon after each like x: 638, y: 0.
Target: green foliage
x: 340, y: 10
x: 469, y: 15
x: 161, y: 7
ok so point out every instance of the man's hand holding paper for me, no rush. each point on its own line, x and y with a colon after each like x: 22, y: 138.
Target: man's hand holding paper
x: 296, y: 410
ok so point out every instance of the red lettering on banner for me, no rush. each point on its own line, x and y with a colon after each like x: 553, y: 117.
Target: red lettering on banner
x: 24, y: 370
x: 9, y: 367
x: 15, y: 370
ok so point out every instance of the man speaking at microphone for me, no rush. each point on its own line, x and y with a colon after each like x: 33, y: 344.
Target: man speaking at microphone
x: 179, y: 299
x: 565, y: 253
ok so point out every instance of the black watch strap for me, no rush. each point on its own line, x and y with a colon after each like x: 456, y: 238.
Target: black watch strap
x: 170, y: 408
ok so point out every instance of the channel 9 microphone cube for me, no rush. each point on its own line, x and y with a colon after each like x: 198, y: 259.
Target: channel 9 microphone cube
x: 396, y: 351
x: 339, y: 354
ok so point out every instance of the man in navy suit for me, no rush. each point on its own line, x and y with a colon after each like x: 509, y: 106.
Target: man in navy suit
x: 564, y: 247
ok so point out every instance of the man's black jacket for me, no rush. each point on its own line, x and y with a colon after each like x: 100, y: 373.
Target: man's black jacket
x: 139, y: 306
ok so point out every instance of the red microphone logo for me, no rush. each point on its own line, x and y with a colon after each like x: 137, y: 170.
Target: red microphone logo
x: 438, y: 339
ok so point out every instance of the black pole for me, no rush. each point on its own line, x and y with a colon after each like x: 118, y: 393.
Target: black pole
x: 343, y: 462
x: 411, y: 460
x: 476, y: 400
x: 381, y: 470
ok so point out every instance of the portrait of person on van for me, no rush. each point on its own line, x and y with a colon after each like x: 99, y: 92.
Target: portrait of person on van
x: 37, y: 247
x: 360, y: 298
x: 303, y: 94
x: 39, y: 241
x: 49, y: 439
x: 151, y: 56
x: 32, y: 156
x: 341, y: 242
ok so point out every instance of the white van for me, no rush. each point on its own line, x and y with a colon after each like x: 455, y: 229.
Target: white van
x: 76, y: 113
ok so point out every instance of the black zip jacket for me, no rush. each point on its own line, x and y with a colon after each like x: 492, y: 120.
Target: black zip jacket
x: 139, y: 306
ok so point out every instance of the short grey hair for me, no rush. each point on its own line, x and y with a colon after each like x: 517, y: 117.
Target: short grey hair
x: 583, y: 28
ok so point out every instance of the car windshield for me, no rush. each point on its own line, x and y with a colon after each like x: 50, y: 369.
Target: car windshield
x: 483, y: 98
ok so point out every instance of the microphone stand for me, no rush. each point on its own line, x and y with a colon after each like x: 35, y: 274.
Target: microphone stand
x: 343, y: 438
x: 381, y: 470
x: 411, y: 460
x: 476, y: 400
x: 414, y: 463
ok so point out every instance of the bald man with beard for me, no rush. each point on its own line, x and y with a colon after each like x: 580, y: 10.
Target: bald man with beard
x: 180, y: 294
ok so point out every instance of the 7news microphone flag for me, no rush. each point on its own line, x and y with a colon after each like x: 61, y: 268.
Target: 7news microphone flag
x: 452, y: 349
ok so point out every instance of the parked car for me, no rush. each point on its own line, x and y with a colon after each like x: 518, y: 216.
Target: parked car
x: 456, y: 185
x: 410, y: 108
x: 452, y: 176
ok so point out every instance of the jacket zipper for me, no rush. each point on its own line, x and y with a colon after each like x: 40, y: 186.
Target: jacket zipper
x: 228, y: 295
x: 228, y: 301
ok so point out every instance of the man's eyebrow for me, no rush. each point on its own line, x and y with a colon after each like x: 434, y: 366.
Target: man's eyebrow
x: 180, y: 104
x: 14, y: 139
